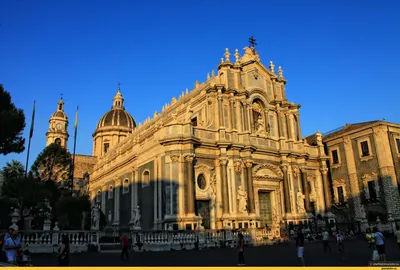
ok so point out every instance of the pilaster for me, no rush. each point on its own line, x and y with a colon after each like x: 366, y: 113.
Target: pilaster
x: 306, y: 190
x: 286, y: 189
x: 190, y: 184
x: 250, y: 190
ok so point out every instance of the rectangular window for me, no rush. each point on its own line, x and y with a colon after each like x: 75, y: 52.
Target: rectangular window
x: 372, y: 190
x: 398, y: 145
x: 364, y: 149
x: 106, y: 146
x: 335, y: 157
x: 194, y: 121
x: 340, y: 193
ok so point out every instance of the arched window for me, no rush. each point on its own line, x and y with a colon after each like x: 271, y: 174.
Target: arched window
x: 125, y: 186
x: 110, y: 192
x: 58, y: 141
x: 201, y: 182
x: 98, y: 196
x: 146, y: 179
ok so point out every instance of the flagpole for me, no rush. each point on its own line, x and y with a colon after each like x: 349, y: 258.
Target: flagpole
x: 73, y: 158
x: 30, y: 137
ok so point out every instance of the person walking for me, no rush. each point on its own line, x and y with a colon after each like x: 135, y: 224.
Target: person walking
x: 380, y: 244
x: 63, y: 257
x: 125, y: 247
x: 300, y: 246
x: 241, y: 250
x: 339, y: 242
x: 325, y: 241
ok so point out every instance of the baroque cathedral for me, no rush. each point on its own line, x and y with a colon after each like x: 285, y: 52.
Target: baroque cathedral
x: 227, y: 154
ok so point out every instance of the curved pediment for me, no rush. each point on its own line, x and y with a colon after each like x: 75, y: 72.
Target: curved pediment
x: 267, y: 171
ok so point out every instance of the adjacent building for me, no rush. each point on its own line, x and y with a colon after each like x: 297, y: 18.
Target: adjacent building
x: 364, y: 169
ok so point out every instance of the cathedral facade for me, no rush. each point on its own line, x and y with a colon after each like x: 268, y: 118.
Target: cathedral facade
x: 227, y: 154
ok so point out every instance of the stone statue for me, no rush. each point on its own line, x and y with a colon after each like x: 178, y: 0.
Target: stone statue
x: 95, y: 218
x: 47, y: 211
x: 242, y: 198
x: 300, y: 202
x: 137, y: 217
x: 260, y: 125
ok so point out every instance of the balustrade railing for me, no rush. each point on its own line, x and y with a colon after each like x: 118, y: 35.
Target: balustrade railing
x: 50, y: 241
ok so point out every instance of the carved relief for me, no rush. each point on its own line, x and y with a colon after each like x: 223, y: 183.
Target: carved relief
x: 295, y: 170
x: 213, y: 184
x: 267, y: 171
x: 249, y: 163
x: 238, y: 166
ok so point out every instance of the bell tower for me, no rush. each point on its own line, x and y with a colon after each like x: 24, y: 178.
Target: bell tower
x: 58, y: 127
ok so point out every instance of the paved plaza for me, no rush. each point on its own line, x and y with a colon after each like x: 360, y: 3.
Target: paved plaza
x: 356, y: 254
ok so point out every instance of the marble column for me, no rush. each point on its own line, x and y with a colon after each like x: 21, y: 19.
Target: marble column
x: 289, y: 126
x: 327, y: 191
x: 117, y: 185
x: 224, y: 178
x: 286, y: 189
x: 245, y: 116
x: 250, y: 188
x: 306, y: 190
x: 190, y: 184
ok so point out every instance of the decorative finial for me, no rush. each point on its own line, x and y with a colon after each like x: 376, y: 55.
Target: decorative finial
x: 163, y: 108
x: 61, y: 96
x: 212, y: 74
x: 252, y: 42
x: 187, y: 91
x: 272, y: 66
x: 155, y: 114
x: 119, y: 87
x: 237, y: 55
x: 208, y: 76
x: 227, y: 55
x: 222, y: 60
x: 280, y: 71
x: 197, y: 84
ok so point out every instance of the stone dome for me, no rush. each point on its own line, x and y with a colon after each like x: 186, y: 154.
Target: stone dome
x: 117, y: 116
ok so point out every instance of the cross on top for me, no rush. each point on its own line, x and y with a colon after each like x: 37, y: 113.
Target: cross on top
x: 252, y: 41
x: 119, y: 85
x: 61, y: 95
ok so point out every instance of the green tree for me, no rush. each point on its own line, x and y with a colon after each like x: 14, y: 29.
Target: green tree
x: 26, y: 192
x: 12, y: 123
x: 53, y: 163
x: 69, y: 211
x: 15, y: 169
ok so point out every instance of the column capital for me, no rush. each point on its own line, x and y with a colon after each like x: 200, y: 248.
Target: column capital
x: 174, y: 157
x: 303, y: 168
x: 223, y: 161
x: 238, y: 166
x: 232, y: 100
x: 284, y: 167
x: 135, y: 169
x: 189, y: 157
x: 248, y: 163
x: 324, y: 170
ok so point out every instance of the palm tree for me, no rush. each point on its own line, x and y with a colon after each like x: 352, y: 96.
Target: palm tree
x: 15, y: 169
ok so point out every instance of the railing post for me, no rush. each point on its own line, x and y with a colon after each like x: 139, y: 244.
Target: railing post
x: 55, y: 236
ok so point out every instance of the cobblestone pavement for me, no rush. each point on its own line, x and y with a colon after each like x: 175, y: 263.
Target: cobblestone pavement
x: 356, y: 253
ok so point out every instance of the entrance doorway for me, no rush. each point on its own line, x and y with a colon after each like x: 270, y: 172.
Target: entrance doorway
x: 264, y: 201
x: 203, y: 209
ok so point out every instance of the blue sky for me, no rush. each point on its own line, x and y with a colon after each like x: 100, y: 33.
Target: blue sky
x: 340, y: 57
